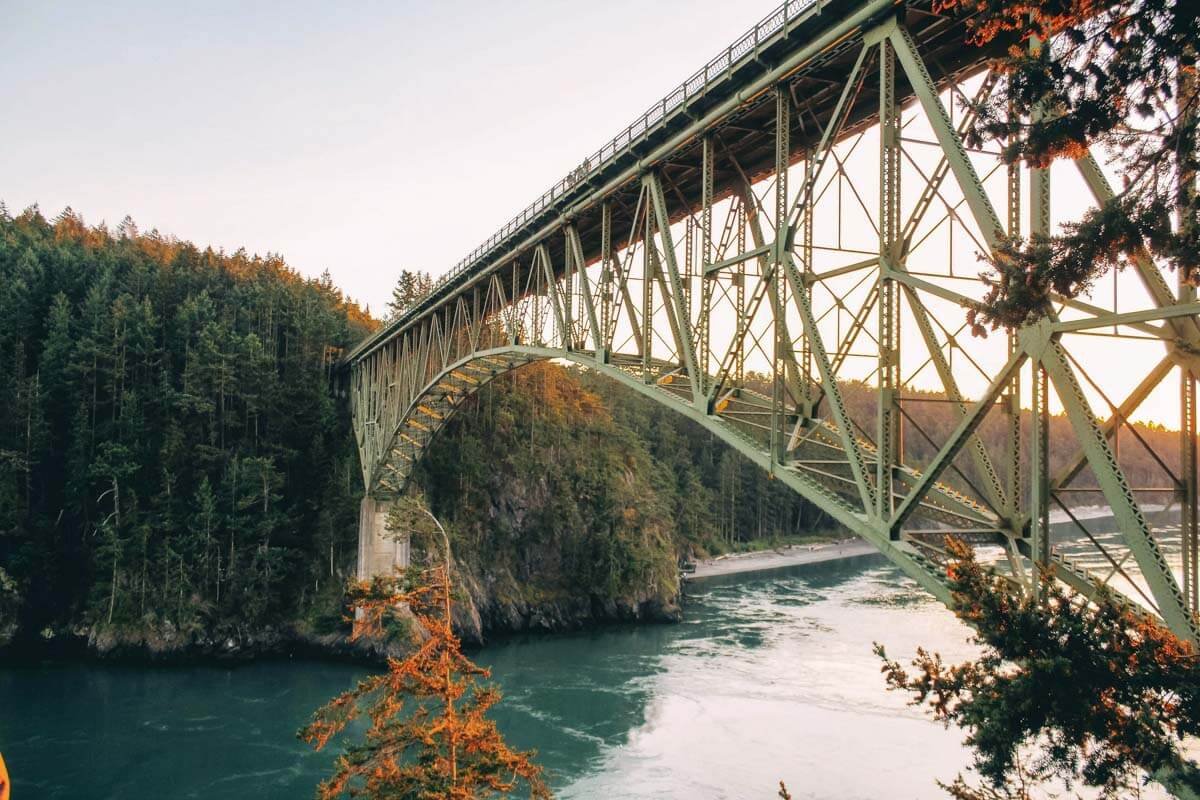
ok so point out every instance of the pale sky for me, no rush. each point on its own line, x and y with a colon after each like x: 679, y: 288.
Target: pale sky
x: 355, y: 137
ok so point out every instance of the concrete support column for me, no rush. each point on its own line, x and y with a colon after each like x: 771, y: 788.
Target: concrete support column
x: 380, y: 550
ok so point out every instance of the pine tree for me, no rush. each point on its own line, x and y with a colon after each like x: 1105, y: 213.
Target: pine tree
x: 182, y: 362
x: 204, y: 528
x: 1121, y: 75
x: 1101, y: 694
x: 410, y: 288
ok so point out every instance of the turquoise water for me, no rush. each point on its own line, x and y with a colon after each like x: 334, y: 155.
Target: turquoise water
x: 769, y: 677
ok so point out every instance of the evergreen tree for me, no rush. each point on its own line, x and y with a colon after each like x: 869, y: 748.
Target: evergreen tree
x: 1121, y: 75
x: 1100, y: 693
x: 138, y: 374
x: 410, y: 288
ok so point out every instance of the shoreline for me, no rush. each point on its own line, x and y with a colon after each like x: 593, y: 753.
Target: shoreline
x: 289, y: 641
x: 792, y: 556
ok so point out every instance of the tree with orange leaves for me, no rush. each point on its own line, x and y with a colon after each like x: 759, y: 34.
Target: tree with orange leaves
x: 429, y: 735
x: 1065, y: 690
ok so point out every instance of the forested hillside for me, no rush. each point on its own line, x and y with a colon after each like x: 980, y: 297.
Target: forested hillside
x: 177, y: 473
x: 1142, y: 450
x: 571, y: 500
x: 171, y: 457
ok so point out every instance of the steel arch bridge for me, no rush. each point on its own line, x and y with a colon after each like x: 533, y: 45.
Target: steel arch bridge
x: 797, y: 220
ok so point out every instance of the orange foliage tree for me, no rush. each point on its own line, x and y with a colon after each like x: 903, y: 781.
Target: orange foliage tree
x: 428, y: 735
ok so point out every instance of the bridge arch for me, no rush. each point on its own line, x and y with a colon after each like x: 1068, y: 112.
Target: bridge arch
x: 435, y: 404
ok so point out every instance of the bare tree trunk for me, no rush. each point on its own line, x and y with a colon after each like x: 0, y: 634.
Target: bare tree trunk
x: 112, y: 594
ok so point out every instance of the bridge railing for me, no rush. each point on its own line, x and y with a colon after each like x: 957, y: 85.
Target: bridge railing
x: 716, y: 69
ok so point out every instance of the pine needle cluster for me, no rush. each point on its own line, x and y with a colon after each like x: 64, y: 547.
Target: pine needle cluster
x: 1119, y: 76
x: 1099, y: 692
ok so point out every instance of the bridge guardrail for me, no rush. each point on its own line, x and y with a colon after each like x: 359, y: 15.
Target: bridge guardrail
x: 717, y: 68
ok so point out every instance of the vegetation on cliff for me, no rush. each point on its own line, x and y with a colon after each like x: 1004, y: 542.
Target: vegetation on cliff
x: 177, y: 471
x: 572, y: 500
x: 171, y: 458
x: 429, y: 733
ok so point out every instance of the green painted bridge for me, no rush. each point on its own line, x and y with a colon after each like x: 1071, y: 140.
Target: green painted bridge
x: 799, y: 217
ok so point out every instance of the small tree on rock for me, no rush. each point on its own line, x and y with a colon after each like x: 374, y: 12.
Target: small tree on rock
x: 429, y: 735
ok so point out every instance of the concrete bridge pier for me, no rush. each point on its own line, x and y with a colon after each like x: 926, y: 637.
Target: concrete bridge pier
x: 380, y: 550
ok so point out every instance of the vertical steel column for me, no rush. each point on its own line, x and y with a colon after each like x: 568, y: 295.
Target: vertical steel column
x: 739, y: 278
x: 806, y: 254
x: 890, y: 447
x: 1039, y: 472
x: 539, y: 320
x: 568, y: 302
x: 1189, y: 527
x: 1012, y: 405
x: 689, y: 266
x: 1039, y: 501
x: 647, y: 292
x: 579, y: 317
x: 1189, y: 517
x: 518, y: 319
x: 1039, y: 201
x: 1039, y: 187
x: 476, y: 320
x: 606, y: 282
x: 1012, y: 446
x: 783, y: 120
x: 706, y: 255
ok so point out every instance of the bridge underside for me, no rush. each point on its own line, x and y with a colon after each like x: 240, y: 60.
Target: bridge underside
x: 788, y: 260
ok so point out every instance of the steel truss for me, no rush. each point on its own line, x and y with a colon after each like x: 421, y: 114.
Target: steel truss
x: 791, y: 250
